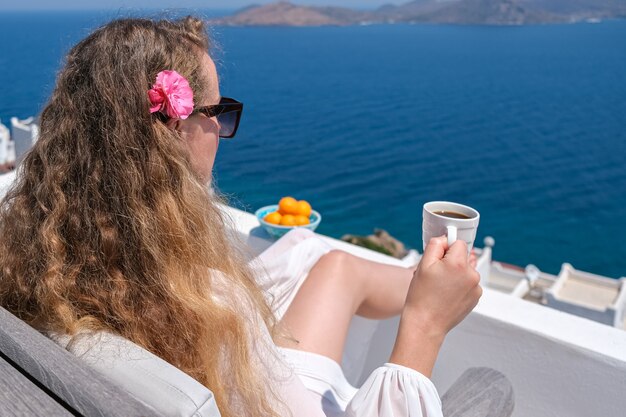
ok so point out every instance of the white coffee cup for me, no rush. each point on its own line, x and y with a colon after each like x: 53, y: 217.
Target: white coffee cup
x: 435, y: 223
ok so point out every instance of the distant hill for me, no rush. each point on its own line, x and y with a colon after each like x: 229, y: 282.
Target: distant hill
x: 480, y: 12
x: 575, y: 10
x: 488, y: 12
x: 284, y: 13
x: 410, y: 11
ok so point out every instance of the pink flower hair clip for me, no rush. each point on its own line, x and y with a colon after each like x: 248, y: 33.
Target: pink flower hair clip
x: 171, y: 95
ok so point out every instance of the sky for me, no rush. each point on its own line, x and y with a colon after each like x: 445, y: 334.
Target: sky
x: 157, y: 4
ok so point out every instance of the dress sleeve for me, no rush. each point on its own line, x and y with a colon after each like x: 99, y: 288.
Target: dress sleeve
x: 395, y: 391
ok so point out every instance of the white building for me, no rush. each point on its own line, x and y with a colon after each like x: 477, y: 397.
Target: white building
x: 24, y: 134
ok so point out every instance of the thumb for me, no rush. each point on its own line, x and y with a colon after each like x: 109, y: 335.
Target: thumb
x: 458, y: 252
x: 435, y: 250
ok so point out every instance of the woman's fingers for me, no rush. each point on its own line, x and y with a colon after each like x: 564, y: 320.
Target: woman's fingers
x: 435, y: 250
x: 473, y: 260
x: 457, y: 252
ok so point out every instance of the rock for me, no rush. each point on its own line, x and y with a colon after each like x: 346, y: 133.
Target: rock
x: 381, y: 241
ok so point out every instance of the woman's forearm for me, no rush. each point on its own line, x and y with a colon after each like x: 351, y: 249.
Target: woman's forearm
x: 417, y: 344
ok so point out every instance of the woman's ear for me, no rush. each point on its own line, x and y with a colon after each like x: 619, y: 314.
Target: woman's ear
x: 173, y: 124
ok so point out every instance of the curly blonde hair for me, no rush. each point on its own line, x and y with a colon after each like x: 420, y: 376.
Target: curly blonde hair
x: 109, y: 229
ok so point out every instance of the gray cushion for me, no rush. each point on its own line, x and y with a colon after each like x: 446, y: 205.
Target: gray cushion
x: 144, y: 375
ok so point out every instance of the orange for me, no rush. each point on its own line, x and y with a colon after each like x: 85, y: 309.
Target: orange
x: 303, y: 208
x: 273, y: 217
x: 288, y: 220
x: 287, y: 205
x: 302, y: 220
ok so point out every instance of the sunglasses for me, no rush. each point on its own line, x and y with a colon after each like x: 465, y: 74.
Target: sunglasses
x: 228, y: 113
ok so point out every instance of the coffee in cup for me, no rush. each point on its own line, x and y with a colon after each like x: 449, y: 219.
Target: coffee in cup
x: 454, y: 220
x: 451, y: 214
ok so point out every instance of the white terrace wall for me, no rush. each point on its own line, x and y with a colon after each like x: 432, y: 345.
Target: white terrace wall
x: 560, y: 365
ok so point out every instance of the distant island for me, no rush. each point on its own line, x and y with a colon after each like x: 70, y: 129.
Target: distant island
x: 476, y: 12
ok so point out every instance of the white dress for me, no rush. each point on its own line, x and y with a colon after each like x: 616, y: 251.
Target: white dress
x: 309, y: 385
x: 390, y: 391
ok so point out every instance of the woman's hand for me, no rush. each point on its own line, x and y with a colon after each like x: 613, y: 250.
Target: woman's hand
x: 443, y: 291
x: 444, y: 288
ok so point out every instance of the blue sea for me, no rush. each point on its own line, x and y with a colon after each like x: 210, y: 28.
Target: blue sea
x: 526, y: 124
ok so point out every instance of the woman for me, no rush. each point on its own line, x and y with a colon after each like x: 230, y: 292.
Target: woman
x: 113, y: 230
